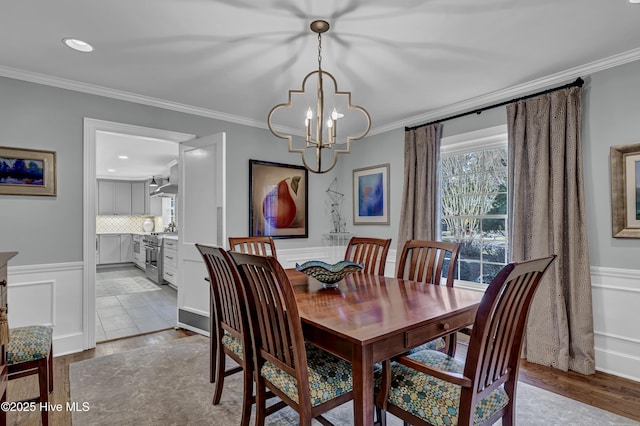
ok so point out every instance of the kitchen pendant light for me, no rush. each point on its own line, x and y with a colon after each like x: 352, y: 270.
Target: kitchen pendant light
x: 153, y: 183
x: 321, y: 128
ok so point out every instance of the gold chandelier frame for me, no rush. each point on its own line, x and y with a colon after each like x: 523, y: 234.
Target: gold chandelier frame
x: 319, y: 143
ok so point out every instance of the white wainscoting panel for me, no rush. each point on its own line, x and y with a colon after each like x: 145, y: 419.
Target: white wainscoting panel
x: 616, y: 298
x: 331, y: 254
x: 50, y: 295
x: 289, y: 257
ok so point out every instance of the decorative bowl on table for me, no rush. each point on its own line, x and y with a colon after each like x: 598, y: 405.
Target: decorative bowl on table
x: 329, y: 274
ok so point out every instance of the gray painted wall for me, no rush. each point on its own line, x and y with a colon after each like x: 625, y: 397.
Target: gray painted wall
x: 47, y: 230
x: 611, y: 114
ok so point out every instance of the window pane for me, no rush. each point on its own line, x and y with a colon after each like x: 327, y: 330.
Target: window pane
x: 494, y: 250
x: 470, y: 250
x: 489, y: 271
x: 469, y: 271
x: 494, y: 228
x: 473, y: 194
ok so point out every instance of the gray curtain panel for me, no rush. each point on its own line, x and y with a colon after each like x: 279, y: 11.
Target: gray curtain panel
x: 420, y: 210
x: 547, y: 215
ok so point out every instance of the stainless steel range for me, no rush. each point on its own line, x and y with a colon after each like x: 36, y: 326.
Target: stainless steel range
x: 153, y: 257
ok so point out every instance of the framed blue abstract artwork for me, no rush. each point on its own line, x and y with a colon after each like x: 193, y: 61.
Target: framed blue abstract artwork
x: 371, y: 195
x: 27, y: 172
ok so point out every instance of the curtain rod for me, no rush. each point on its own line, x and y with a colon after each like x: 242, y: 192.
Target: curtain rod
x: 578, y: 83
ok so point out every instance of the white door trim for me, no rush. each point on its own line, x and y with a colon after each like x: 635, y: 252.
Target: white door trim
x: 91, y: 127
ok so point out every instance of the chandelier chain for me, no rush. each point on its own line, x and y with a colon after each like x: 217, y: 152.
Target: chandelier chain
x: 319, y: 51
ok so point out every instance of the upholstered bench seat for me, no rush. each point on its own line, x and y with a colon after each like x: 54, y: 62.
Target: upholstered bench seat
x: 29, y: 344
x: 29, y: 352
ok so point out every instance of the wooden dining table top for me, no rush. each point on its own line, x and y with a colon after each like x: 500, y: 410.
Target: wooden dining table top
x: 365, y: 308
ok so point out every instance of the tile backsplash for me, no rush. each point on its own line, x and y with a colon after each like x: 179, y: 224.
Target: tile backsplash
x: 116, y: 224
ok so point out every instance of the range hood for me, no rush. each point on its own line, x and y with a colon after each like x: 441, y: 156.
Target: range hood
x: 169, y: 189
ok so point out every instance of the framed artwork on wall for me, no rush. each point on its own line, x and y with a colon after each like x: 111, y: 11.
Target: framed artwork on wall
x: 625, y: 190
x: 27, y: 172
x: 278, y: 200
x: 371, y: 195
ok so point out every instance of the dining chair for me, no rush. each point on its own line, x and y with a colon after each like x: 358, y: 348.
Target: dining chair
x: 29, y: 352
x: 229, y: 328
x: 370, y: 251
x: 262, y: 246
x: 425, y: 261
x: 308, y: 379
x: 430, y: 387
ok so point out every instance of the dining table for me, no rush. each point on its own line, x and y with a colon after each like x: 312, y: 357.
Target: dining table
x: 367, y: 319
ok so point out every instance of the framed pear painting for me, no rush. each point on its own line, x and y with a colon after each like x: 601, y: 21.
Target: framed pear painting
x: 278, y: 200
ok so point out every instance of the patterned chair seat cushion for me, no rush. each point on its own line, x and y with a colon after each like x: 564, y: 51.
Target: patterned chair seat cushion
x: 28, y: 343
x: 233, y: 344
x: 434, y: 400
x: 329, y: 376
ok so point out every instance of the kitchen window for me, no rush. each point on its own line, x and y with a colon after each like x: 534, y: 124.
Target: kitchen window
x: 473, y: 191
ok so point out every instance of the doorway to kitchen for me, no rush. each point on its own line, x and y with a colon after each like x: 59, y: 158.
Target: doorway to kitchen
x: 128, y: 303
x: 120, y: 300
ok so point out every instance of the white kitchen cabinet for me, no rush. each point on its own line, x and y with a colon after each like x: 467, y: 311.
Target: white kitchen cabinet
x: 138, y: 198
x: 122, y: 199
x: 126, y: 248
x: 106, y: 192
x: 170, y: 261
x: 115, y: 248
x: 109, y: 248
x: 114, y: 197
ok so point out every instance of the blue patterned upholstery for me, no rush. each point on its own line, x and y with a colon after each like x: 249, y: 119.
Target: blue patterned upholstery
x: 28, y: 343
x: 233, y: 343
x: 433, y: 400
x: 329, y: 376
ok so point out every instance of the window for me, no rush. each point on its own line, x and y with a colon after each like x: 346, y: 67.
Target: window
x: 473, y: 190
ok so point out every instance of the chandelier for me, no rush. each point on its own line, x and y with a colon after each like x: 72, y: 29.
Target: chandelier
x: 320, y: 126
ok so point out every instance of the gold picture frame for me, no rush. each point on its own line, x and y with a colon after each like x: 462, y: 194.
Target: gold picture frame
x: 27, y: 172
x: 625, y: 190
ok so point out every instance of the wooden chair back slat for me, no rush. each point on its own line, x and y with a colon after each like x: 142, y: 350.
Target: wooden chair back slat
x: 275, y: 321
x: 496, y: 339
x: 261, y: 246
x: 227, y: 297
x: 370, y: 251
x: 423, y: 261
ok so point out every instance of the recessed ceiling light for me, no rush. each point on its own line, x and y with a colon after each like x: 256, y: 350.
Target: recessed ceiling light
x: 79, y: 45
x: 634, y: 1
x: 122, y: 157
x: 111, y: 170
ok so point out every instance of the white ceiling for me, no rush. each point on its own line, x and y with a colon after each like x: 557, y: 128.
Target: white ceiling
x: 403, y: 60
x: 146, y: 157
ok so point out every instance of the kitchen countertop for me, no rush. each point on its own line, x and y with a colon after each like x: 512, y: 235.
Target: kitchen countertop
x: 171, y: 237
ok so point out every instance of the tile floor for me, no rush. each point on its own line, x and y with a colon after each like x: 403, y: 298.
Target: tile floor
x: 128, y: 304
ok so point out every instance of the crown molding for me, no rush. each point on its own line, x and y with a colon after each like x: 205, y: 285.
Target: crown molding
x: 515, y: 91
x: 456, y: 108
x: 125, y: 96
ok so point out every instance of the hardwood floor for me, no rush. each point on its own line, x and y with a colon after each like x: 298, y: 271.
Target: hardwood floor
x: 608, y: 392
x: 28, y: 387
x: 611, y: 393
